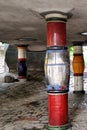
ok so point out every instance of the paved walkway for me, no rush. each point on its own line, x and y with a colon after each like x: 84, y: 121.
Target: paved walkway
x: 23, y: 106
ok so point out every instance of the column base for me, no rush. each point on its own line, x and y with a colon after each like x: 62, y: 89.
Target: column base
x: 79, y: 92
x: 63, y: 127
x: 22, y: 80
x: 56, y: 91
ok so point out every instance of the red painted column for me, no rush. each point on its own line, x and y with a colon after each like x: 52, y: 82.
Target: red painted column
x: 56, y: 29
x: 56, y: 34
x: 57, y: 71
x: 58, y: 109
x: 22, y: 67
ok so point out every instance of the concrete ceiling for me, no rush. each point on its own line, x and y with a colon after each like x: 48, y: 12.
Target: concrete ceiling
x: 21, y: 19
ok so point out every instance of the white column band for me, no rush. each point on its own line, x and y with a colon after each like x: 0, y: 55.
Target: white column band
x: 78, y: 49
x: 78, y: 83
x: 21, y: 52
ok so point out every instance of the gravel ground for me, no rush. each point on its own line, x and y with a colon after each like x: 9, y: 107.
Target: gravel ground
x: 23, y: 106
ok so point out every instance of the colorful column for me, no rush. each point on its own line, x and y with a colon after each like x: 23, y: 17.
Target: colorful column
x: 57, y: 71
x: 22, y: 68
x: 78, y: 68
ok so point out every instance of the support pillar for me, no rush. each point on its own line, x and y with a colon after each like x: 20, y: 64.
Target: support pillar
x: 57, y: 71
x: 22, y: 67
x: 78, y: 68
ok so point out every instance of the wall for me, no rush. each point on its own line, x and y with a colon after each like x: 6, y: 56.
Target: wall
x: 35, y: 60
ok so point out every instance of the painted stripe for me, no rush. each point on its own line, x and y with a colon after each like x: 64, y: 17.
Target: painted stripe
x: 22, y: 68
x: 21, y: 47
x: 62, y: 127
x: 50, y: 51
x: 77, y: 54
x: 78, y: 50
x: 57, y: 93
x: 56, y: 87
x: 78, y: 74
x: 56, y: 34
x: 58, y: 109
x: 78, y: 83
x: 21, y: 59
x: 57, y: 48
x: 54, y: 19
x: 21, y: 52
x: 57, y: 15
x: 21, y: 77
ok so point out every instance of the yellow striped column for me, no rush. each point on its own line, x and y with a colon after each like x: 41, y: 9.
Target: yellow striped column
x: 78, y: 68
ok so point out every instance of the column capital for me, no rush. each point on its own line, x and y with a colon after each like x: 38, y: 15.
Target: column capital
x: 22, y: 46
x: 56, y: 16
x: 78, y: 43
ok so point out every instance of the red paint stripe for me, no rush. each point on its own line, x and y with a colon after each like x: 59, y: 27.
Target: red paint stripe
x: 58, y: 109
x: 77, y: 54
x: 78, y: 74
x: 21, y: 77
x: 21, y: 59
x: 56, y: 34
x: 21, y: 47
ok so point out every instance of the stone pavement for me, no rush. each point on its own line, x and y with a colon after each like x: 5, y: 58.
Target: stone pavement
x: 23, y: 106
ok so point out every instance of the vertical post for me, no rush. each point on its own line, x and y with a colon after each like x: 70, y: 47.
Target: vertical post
x: 78, y: 68
x: 57, y: 71
x: 22, y: 68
